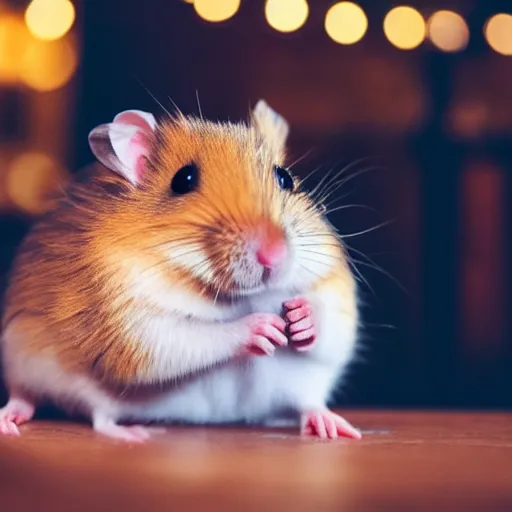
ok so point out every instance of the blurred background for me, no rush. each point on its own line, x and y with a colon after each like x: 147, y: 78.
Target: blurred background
x: 415, y: 102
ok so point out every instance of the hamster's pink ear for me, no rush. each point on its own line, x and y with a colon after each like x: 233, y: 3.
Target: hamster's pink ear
x: 271, y: 125
x: 122, y: 145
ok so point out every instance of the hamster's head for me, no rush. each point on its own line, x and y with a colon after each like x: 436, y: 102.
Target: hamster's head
x: 215, y: 202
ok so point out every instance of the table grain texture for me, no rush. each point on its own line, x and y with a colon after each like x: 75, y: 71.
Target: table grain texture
x: 433, y: 461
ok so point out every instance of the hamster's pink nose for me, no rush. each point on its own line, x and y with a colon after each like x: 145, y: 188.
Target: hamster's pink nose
x: 271, y: 253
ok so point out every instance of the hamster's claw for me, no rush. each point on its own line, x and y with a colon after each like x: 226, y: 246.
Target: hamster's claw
x: 15, y: 412
x: 325, y: 424
x: 301, y: 328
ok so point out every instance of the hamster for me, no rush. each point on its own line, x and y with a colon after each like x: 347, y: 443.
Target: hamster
x: 189, y: 280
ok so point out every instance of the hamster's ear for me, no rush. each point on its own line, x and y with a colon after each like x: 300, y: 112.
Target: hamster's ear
x: 122, y: 145
x: 271, y: 125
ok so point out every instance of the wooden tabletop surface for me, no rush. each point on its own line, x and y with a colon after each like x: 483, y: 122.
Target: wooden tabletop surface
x: 406, y: 461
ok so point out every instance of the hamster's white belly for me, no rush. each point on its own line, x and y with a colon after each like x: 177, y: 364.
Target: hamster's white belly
x: 248, y: 391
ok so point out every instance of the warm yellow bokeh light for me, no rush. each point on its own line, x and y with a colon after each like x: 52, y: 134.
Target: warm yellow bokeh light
x: 286, y: 15
x: 346, y: 23
x: 13, y: 41
x: 31, y: 178
x: 48, y: 65
x: 49, y: 19
x: 404, y: 27
x: 448, y: 31
x: 216, y: 10
x: 498, y: 32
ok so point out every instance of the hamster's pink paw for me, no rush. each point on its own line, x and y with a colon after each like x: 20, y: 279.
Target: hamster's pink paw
x: 130, y: 433
x: 325, y: 424
x: 16, y: 412
x: 264, y: 331
x: 301, y: 328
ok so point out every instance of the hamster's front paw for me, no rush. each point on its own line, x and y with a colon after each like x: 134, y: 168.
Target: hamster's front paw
x: 326, y: 424
x: 262, y: 333
x: 301, y: 328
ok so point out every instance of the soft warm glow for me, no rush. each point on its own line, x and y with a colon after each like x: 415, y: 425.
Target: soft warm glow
x: 448, y: 31
x: 498, y: 32
x: 13, y: 39
x: 31, y: 177
x: 286, y: 15
x: 346, y: 23
x: 49, y: 19
x: 48, y: 65
x: 216, y: 10
x: 404, y: 27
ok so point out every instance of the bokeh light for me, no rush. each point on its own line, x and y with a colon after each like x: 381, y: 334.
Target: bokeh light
x: 286, y: 15
x: 346, y: 23
x: 13, y: 40
x: 31, y: 178
x: 498, y: 32
x: 48, y: 65
x: 448, y: 31
x: 216, y: 10
x: 404, y: 27
x: 49, y: 19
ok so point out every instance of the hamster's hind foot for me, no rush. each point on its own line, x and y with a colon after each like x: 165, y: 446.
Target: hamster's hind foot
x: 14, y: 413
x: 127, y: 433
x: 325, y: 424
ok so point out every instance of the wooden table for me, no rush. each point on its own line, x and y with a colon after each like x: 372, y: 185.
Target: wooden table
x: 406, y: 461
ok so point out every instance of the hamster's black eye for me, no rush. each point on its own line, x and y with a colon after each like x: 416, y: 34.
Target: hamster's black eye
x: 284, y: 178
x: 185, y: 180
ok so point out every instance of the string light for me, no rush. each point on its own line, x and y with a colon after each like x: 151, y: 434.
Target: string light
x: 31, y: 177
x: 448, y: 31
x: 498, y: 32
x: 346, y: 23
x: 286, y: 15
x: 13, y: 40
x: 404, y: 27
x: 216, y: 10
x: 49, y: 19
x: 48, y: 65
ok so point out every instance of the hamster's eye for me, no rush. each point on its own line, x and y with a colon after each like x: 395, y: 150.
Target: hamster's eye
x: 185, y: 180
x: 284, y: 178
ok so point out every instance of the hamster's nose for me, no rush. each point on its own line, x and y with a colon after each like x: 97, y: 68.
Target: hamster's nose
x: 272, y: 249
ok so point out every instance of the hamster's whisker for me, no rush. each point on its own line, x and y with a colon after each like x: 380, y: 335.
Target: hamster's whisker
x: 304, y: 179
x: 331, y: 256
x: 156, y: 100
x: 312, y: 235
x: 305, y: 155
x: 359, y: 276
x: 378, y: 268
x: 327, y: 180
x: 369, y: 230
x: 346, y: 206
x: 334, y: 186
x: 199, y: 106
x: 318, y: 244
x: 316, y: 274
x: 316, y: 260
